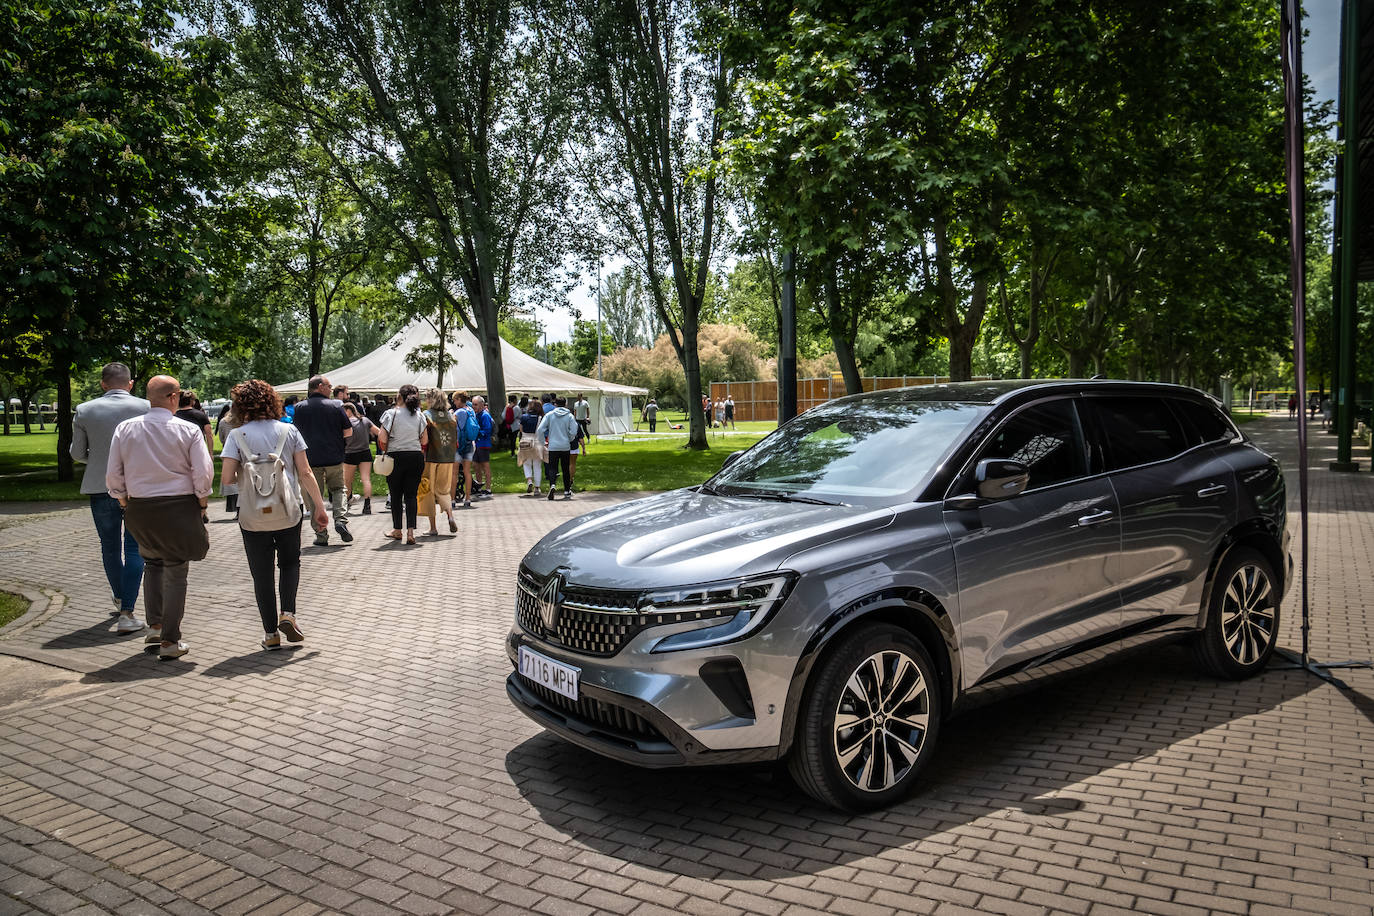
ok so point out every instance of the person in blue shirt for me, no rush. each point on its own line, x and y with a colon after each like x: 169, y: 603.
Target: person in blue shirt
x: 481, y: 458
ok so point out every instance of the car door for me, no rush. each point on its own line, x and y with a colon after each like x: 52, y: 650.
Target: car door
x: 1177, y: 497
x: 1034, y: 570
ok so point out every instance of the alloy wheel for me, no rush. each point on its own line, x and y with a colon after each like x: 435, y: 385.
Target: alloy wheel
x: 1248, y: 614
x: 881, y: 721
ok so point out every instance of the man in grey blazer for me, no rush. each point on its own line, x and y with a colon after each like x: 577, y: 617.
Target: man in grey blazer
x: 92, y: 429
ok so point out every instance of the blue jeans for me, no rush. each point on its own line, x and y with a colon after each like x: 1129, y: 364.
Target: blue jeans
x: 123, y: 568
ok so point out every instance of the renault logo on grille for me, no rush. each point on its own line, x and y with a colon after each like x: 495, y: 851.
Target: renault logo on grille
x: 550, y: 602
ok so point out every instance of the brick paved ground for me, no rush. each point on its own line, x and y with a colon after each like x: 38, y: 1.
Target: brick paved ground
x: 381, y: 768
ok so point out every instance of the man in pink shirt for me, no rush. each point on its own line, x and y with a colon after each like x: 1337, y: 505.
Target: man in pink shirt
x: 161, y: 472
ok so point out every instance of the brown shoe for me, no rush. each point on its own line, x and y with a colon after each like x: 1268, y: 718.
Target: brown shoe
x: 287, y: 624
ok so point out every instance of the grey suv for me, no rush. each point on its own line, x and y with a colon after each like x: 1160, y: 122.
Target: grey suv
x: 881, y: 561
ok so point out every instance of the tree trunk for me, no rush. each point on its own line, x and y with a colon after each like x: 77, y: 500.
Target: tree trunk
x: 1027, y: 349
x: 1077, y: 361
x: 963, y: 335
x: 25, y: 402
x: 840, y: 337
x: 443, y: 345
x: 5, y: 397
x: 489, y: 336
x: 691, y: 369
x: 65, y: 467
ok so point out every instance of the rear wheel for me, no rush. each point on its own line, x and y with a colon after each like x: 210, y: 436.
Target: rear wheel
x: 1242, y: 617
x: 869, y: 720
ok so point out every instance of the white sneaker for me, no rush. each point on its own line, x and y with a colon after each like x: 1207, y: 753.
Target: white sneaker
x: 128, y: 624
x: 176, y: 651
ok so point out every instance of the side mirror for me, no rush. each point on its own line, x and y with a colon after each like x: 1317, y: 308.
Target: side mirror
x: 731, y: 458
x: 1001, y: 478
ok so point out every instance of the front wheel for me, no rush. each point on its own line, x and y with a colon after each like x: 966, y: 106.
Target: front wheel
x: 869, y: 720
x: 1242, y: 617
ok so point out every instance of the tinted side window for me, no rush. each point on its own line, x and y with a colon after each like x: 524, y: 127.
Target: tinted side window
x: 1046, y: 438
x: 1203, y: 422
x: 1137, y: 431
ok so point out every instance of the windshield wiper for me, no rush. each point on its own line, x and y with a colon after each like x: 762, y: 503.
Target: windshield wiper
x: 779, y: 496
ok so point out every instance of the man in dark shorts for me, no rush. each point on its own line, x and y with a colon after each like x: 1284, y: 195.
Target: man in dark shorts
x: 582, y: 413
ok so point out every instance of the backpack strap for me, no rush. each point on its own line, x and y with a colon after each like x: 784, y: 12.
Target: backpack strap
x: 244, y: 451
x: 281, y: 439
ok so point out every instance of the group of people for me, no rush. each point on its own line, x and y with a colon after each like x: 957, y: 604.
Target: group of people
x: 720, y: 412
x: 1315, y: 402
x: 149, y: 475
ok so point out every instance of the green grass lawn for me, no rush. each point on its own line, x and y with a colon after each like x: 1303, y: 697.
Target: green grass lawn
x: 28, y: 468
x: 28, y: 464
x: 12, y: 607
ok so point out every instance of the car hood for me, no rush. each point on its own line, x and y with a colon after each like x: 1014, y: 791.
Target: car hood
x: 684, y: 537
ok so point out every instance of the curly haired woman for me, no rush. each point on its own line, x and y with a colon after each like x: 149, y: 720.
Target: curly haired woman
x: 259, y: 409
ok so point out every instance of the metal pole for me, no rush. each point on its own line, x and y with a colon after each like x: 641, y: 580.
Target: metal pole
x: 787, y: 340
x: 1347, y: 189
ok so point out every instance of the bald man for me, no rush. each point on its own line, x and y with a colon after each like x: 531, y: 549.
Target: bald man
x: 161, y: 472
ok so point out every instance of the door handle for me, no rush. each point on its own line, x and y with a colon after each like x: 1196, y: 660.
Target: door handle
x: 1087, y: 521
x: 1215, y: 490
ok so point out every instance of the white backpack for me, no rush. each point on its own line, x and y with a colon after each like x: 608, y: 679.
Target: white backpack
x: 267, y: 500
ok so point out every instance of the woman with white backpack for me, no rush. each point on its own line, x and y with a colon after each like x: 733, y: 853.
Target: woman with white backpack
x: 266, y: 458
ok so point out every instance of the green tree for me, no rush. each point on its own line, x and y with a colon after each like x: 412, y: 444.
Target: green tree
x: 522, y: 333
x: 584, y: 346
x: 446, y: 122
x: 626, y: 309
x: 657, y: 90
x: 117, y: 237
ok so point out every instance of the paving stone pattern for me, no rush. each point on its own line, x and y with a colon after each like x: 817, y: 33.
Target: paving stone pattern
x: 380, y: 768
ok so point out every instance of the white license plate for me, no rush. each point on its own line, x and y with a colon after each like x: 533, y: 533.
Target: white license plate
x: 546, y: 672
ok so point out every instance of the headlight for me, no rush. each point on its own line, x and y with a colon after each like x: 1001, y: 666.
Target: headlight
x: 722, y: 611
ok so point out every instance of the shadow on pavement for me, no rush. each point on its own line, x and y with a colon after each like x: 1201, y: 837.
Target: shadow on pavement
x: 100, y: 633
x: 141, y: 667
x: 1009, y: 760
x: 1360, y: 701
x: 260, y: 661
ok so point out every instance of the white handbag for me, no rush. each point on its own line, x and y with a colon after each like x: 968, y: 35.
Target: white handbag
x: 384, y: 464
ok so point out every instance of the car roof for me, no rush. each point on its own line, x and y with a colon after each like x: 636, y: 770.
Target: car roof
x: 998, y: 391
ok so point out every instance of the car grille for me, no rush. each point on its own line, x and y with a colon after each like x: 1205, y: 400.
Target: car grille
x: 604, y: 715
x: 593, y: 621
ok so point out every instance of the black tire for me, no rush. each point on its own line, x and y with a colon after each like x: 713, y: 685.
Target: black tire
x: 847, y: 765
x: 1242, y: 617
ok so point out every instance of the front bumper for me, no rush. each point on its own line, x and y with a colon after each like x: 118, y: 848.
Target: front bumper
x: 623, y: 726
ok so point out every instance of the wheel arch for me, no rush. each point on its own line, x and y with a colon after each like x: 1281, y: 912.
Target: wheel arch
x: 1257, y: 534
x: 912, y: 609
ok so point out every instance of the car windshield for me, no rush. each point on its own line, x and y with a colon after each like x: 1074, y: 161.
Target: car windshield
x: 865, y: 451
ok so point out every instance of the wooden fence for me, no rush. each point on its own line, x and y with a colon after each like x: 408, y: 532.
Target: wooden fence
x: 758, y: 400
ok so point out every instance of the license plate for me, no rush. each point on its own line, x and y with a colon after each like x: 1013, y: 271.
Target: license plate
x: 546, y: 672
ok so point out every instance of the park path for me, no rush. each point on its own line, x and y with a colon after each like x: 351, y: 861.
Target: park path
x: 380, y: 769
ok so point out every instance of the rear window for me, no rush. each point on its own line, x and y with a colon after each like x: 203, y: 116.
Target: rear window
x: 1137, y: 431
x: 1203, y: 422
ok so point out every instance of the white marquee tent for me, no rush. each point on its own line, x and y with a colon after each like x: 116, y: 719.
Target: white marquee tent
x: 384, y: 370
